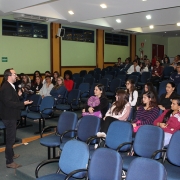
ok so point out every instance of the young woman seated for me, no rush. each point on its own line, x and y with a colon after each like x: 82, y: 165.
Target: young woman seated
x: 147, y: 112
x: 68, y: 82
x: 143, y: 68
x: 119, y: 110
x: 169, y: 120
x: 165, y: 99
x: 55, y: 77
x: 47, y: 86
x: 37, y: 85
x: 58, y: 91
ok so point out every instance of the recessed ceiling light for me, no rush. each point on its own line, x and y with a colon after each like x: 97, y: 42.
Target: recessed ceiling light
x: 144, y: 0
x: 178, y: 24
x: 164, y: 32
x: 176, y: 34
x: 103, y: 5
x: 151, y: 26
x: 118, y: 20
x: 148, y: 17
x: 71, y: 12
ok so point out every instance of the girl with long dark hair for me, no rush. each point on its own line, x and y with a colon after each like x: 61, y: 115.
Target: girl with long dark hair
x: 169, y: 120
x: 119, y: 110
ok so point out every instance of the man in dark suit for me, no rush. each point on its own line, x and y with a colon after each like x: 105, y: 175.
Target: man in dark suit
x: 10, y: 113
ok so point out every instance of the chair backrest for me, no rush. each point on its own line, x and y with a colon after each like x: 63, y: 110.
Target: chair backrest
x: 148, y: 139
x: 104, y: 82
x: 78, y: 81
x: 88, y: 126
x: 36, y: 98
x: 109, y: 77
x: 134, y: 78
x: 82, y: 73
x: 173, y: 151
x: 2, y: 126
x: 91, y: 72
x: 115, y: 83
x: 47, y: 102
x: 119, y: 132
x: 105, y: 164
x: 88, y: 76
x: 73, y: 96
x: 145, y: 76
x: 75, y: 76
x: 136, y: 73
x: 168, y: 70
x: 84, y: 89
x: 122, y: 73
x: 122, y: 77
x: 91, y: 92
x: 178, y: 89
x: 89, y: 80
x: 146, y: 169
x: 97, y: 70
x: 97, y: 77
x: 104, y: 72
x: 162, y: 87
x: 67, y: 121
x: 75, y: 155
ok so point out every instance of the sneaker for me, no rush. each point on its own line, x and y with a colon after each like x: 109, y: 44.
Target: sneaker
x: 101, y: 134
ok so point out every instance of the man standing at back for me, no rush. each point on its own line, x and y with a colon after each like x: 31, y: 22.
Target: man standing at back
x: 10, y: 113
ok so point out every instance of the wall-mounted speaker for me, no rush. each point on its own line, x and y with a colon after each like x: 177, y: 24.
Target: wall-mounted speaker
x: 61, y: 32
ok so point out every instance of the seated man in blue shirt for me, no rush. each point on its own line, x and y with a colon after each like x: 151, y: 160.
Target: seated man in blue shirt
x: 175, y: 77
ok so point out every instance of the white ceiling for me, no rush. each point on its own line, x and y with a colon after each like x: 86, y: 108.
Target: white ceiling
x: 165, y: 13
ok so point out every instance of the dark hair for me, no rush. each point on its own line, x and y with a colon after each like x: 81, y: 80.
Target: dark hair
x: 143, y: 65
x: 68, y: 72
x: 47, y: 76
x: 34, y: 76
x: 56, y: 72
x: 158, y: 61
x: 173, y: 85
x: 168, y: 114
x: 178, y: 64
x: 47, y: 72
x: 133, y: 87
x: 135, y: 61
x: 122, y: 101
x: 145, y: 56
x: 101, y: 88
x: 153, y: 102
x: 27, y: 77
x: 7, y: 73
x: 39, y: 78
x: 119, y: 58
x: 151, y: 89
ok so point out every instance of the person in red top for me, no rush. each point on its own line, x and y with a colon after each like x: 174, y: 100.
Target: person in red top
x: 153, y: 62
x: 169, y: 120
x: 68, y: 82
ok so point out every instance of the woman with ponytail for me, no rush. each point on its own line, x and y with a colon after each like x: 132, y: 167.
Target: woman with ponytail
x: 169, y: 120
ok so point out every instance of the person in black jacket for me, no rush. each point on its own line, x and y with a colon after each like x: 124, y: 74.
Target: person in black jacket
x: 10, y: 113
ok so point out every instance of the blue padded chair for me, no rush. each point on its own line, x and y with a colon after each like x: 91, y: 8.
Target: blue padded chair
x: 78, y: 81
x: 45, y: 111
x: 88, y: 76
x: 144, y: 78
x: 34, y: 107
x: 178, y: 89
x: 82, y: 73
x: 167, y: 71
x: 123, y: 78
x: 172, y: 164
x: 146, y: 169
x: 97, y: 71
x: 75, y: 76
x: 74, y: 156
x: 162, y: 87
x: 91, y: 72
x: 67, y: 121
x: 119, y: 133
x: 106, y: 164
x: 122, y: 73
x: 104, y: 82
x: 115, y: 84
x: 134, y: 78
x: 72, y: 101
x: 104, y: 72
x: 2, y: 127
x: 109, y: 77
x: 97, y: 78
x: 87, y: 128
x: 84, y: 89
x: 89, y: 80
x: 148, y: 139
x: 136, y: 74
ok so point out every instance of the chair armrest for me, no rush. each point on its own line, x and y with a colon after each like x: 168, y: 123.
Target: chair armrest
x: 74, y: 172
x: 62, y: 135
x: 48, y: 127
x: 93, y: 138
x: 123, y: 144
x: 156, y: 152
x: 44, y: 163
x: 86, y: 92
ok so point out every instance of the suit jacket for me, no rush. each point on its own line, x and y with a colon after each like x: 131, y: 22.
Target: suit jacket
x: 10, y: 103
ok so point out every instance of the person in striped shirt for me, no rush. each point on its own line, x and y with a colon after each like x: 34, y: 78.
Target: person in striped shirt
x: 147, y: 113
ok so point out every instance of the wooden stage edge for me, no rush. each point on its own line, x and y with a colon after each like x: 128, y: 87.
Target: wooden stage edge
x: 27, y: 140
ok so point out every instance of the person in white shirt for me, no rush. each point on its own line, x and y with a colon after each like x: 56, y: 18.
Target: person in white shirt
x: 134, y: 68
x: 143, y: 68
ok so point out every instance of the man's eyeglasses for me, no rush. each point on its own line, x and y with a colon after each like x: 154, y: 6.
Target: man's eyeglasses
x: 14, y: 74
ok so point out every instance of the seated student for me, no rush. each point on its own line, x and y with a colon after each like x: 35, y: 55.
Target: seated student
x: 176, y: 60
x: 166, y: 62
x: 148, y: 64
x: 143, y: 68
x: 175, y: 77
x: 26, y: 85
x: 169, y: 120
x: 47, y: 73
x: 58, y: 91
x: 37, y: 85
x: 133, y: 68
x: 156, y: 73
x: 68, y: 82
x: 55, y: 77
x: 99, y: 92
x: 147, y: 113
x: 132, y: 92
x: 126, y: 65
x: 36, y: 74
x: 165, y: 99
x: 47, y: 87
x: 119, y: 110
x: 118, y: 63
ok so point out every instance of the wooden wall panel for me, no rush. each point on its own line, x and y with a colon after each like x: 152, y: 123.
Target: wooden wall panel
x: 132, y: 46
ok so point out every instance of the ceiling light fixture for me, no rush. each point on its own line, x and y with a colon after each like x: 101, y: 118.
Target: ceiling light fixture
x: 178, y: 24
x: 164, y: 32
x: 148, y: 17
x: 103, y: 5
x: 118, y: 20
x: 151, y: 26
x: 144, y: 0
x: 71, y: 12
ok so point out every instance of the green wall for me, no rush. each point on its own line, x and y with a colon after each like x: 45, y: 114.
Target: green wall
x: 24, y: 54
x: 112, y: 52
x: 173, y: 46
x: 78, y: 53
